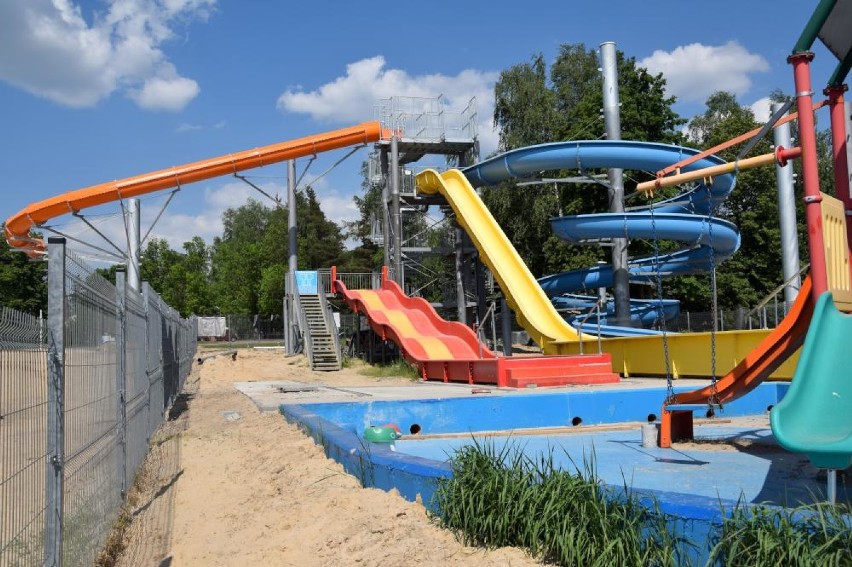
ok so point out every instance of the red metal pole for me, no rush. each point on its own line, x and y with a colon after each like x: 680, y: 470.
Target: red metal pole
x: 807, y: 140
x: 838, y: 145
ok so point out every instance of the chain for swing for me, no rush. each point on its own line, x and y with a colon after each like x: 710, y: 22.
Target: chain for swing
x: 713, y: 399
x: 670, y: 396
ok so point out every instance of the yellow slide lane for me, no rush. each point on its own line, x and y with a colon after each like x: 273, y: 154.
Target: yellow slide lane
x: 533, y: 309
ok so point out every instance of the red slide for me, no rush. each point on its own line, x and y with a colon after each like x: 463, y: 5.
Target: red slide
x: 413, y: 324
x: 450, y: 351
x: 756, y: 367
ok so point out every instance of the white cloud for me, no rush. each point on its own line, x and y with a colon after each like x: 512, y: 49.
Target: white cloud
x: 171, y: 94
x: 184, y: 127
x: 353, y: 96
x: 338, y: 208
x: 48, y: 48
x: 695, y: 71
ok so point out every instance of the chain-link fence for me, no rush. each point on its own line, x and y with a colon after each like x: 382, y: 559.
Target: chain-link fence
x: 80, y: 396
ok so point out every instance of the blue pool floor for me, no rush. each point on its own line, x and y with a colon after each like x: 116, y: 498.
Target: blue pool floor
x: 730, y: 462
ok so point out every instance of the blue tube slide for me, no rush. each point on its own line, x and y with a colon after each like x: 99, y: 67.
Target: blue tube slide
x: 643, y: 312
x: 683, y: 218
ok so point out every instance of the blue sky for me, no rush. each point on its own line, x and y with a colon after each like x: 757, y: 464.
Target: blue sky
x: 97, y: 90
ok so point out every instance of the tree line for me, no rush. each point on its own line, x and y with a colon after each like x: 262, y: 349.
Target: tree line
x: 243, y: 270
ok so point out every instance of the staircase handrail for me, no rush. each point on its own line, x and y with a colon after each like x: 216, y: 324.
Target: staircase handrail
x: 302, y: 319
x: 330, y: 325
x: 772, y: 294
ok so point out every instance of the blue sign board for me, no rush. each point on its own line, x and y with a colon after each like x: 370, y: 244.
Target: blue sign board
x: 306, y: 282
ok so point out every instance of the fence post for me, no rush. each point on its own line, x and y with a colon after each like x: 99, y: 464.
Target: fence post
x: 121, y: 376
x: 54, y: 482
x: 146, y: 298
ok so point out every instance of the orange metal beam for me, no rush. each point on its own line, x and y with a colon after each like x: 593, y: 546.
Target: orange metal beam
x: 19, y: 225
x: 732, y: 142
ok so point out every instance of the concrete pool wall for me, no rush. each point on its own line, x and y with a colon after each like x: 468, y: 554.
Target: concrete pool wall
x: 338, y: 427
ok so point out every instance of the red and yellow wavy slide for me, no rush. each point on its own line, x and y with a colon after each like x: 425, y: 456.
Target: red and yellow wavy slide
x: 413, y: 324
x: 18, y: 226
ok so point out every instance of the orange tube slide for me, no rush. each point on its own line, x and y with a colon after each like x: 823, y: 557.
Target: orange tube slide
x: 18, y: 226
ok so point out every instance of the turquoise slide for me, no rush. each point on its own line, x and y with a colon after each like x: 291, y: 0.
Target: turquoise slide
x: 815, y: 416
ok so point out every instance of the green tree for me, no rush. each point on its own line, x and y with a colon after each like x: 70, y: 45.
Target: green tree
x: 23, y: 282
x: 249, y: 261
x: 182, y: 279
x: 239, y: 256
x: 320, y: 241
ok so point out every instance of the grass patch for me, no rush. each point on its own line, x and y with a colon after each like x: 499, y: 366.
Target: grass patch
x: 397, y: 369
x: 498, y: 496
x: 759, y: 536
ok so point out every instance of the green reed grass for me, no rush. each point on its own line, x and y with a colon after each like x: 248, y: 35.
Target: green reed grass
x: 498, y: 496
x: 818, y: 534
x: 398, y: 368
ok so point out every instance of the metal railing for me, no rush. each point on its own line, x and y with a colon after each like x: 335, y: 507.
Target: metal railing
x: 364, y: 280
x: 422, y: 118
x: 596, y: 310
x: 489, y: 316
x: 330, y: 324
x: 82, y: 396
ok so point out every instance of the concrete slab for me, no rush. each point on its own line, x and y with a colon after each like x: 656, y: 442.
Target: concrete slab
x: 268, y: 395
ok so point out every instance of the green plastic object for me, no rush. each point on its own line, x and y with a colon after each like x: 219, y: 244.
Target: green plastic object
x: 381, y: 434
x: 815, y: 416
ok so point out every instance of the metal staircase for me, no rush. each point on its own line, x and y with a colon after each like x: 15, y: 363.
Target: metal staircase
x: 322, y: 345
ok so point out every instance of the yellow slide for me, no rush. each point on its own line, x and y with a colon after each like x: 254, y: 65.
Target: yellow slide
x: 533, y: 309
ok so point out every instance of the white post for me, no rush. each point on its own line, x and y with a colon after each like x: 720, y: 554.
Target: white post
x: 787, y: 216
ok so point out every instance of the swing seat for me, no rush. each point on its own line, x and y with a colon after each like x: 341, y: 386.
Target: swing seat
x: 815, y: 416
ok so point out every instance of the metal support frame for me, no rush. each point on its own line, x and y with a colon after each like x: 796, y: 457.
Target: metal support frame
x: 159, y: 214
x: 292, y: 257
x: 71, y: 238
x: 478, y: 266
x: 396, y: 218
x: 787, y: 214
x: 121, y: 252
x: 612, y: 120
x: 840, y: 152
x: 506, y: 326
x: 386, y: 232
x: 55, y: 477
x: 810, y: 174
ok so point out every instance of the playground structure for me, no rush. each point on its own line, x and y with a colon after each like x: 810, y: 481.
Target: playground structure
x: 444, y: 351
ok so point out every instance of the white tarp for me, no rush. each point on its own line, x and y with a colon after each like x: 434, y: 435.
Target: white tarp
x: 212, y: 327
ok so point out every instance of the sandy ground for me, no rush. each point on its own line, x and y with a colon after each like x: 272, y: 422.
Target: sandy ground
x: 254, y: 490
